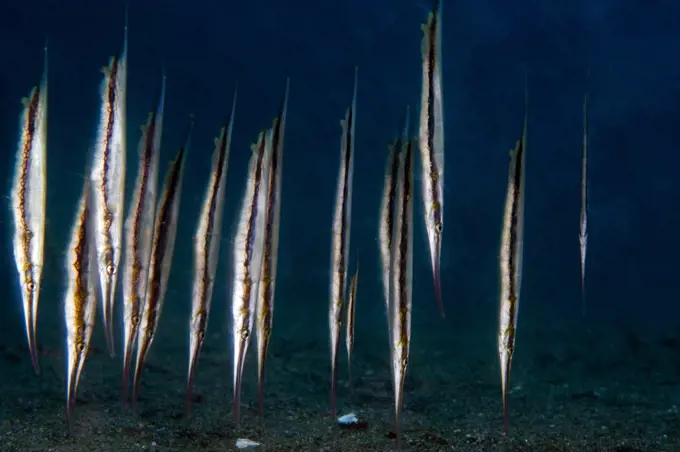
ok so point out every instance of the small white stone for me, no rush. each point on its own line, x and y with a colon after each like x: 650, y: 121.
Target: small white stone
x: 242, y: 443
x: 350, y: 418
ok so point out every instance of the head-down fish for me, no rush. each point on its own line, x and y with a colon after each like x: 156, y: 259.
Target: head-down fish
x: 139, y: 229
x: 387, y: 212
x: 248, y: 252
x: 165, y: 231
x: 80, y: 306
x: 512, y: 244
x: 207, y: 249
x: 28, y: 206
x: 341, y: 234
x: 583, y: 222
x: 431, y: 141
x: 401, y: 279
x: 266, y: 288
x: 108, y: 183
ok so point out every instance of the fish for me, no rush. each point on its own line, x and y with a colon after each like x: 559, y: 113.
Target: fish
x: 512, y: 245
x: 139, y: 230
x: 108, y: 183
x: 431, y: 141
x: 341, y: 235
x: 165, y: 232
x: 248, y: 256
x: 583, y: 223
x: 80, y: 306
x: 401, y: 280
x: 267, y: 285
x: 28, y: 206
x: 349, y: 323
x: 386, y: 217
x: 207, y: 249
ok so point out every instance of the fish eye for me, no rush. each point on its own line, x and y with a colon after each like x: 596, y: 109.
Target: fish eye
x: 244, y: 334
x: 109, y: 269
x: 201, y: 335
x: 30, y: 285
x: 438, y: 228
x: 135, y: 319
x: 79, y: 347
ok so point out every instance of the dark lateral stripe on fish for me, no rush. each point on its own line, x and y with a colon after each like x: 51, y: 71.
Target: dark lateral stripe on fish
x: 433, y: 26
x: 405, y: 230
x: 248, y: 282
x: 27, y: 234
x: 270, y: 250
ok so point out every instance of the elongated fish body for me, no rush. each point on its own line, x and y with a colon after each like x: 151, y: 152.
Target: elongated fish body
x: 402, y: 280
x: 28, y: 206
x: 267, y: 286
x: 386, y: 226
x: 139, y: 230
x: 512, y: 244
x: 108, y: 184
x: 80, y: 307
x: 431, y: 141
x: 341, y: 234
x: 583, y: 224
x: 349, y: 324
x: 165, y: 232
x: 248, y: 254
x: 207, y: 249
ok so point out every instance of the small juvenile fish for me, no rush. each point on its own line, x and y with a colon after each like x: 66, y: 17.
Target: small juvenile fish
x: 139, y: 229
x: 207, y: 249
x: 28, y: 206
x: 80, y: 307
x: 266, y: 289
x: 341, y: 234
x: 349, y: 331
x: 108, y: 183
x: 248, y: 253
x: 165, y: 232
x: 512, y: 244
x: 402, y: 280
x: 431, y: 140
x: 386, y: 226
x: 583, y: 224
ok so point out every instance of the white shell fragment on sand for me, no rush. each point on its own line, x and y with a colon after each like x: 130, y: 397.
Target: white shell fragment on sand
x: 242, y: 443
x: 348, y: 419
